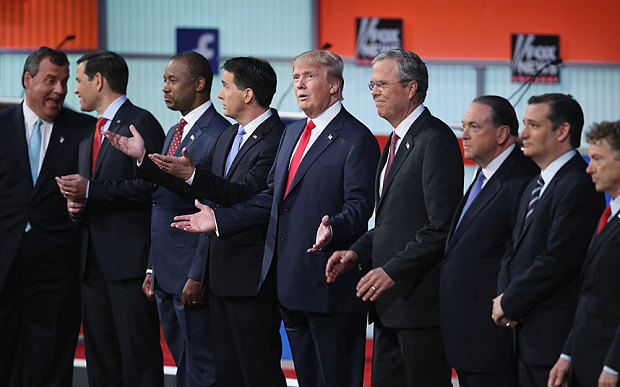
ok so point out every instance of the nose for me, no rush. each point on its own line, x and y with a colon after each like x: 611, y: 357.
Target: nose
x: 220, y: 95
x: 60, y: 88
x: 524, y: 133
x: 590, y: 168
x: 465, y: 134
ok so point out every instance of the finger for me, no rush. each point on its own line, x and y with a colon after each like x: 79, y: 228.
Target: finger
x: 133, y: 131
x: 325, y: 221
x: 186, y: 154
x: 199, y: 205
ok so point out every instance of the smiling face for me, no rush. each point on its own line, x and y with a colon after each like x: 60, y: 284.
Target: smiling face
x: 604, y: 168
x: 393, y: 101
x: 86, y: 89
x: 314, y: 90
x: 46, y: 91
x: 179, y: 88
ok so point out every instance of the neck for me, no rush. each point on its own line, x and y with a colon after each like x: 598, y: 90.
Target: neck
x: 251, y: 114
x: 105, y: 101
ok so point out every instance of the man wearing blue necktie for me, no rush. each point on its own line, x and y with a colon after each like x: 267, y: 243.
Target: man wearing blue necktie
x: 40, y: 255
x: 480, y: 351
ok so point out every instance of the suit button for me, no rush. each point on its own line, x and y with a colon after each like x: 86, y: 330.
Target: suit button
x: 511, y: 266
x: 282, y: 239
x: 153, y: 203
x: 285, y: 209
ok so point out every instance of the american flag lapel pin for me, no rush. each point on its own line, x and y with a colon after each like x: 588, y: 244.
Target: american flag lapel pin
x: 62, y: 139
x: 330, y: 137
x: 191, y: 137
x: 407, y: 145
x: 254, y: 136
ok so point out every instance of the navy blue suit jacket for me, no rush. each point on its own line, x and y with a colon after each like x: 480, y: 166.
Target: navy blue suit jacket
x: 474, y: 250
x: 42, y: 204
x: 334, y: 178
x: 539, y: 276
x: 594, y: 340
x: 172, y: 250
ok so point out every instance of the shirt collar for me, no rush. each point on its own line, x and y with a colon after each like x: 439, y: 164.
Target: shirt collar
x: 112, y: 108
x: 497, y: 162
x: 252, y: 125
x: 615, y: 205
x: 195, y: 114
x: 322, y: 120
x: 30, y: 117
x: 553, y: 168
x: 402, y: 128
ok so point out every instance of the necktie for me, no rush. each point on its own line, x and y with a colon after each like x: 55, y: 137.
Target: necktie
x: 391, y: 155
x: 604, y: 217
x: 97, y: 141
x: 176, y: 139
x: 475, y: 190
x: 34, y: 150
x: 234, y: 149
x: 296, y: 160
x: 534, y: 196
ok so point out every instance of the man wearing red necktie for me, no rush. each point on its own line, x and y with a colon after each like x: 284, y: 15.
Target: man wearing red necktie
x: 592, y: 351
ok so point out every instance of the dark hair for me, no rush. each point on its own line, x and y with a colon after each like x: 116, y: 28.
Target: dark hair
x: 58, y: 58
x: 110, y: 65
x: 410, y: 68
x: 197, y: 67
x: 255, y: 74
x: 609, y: 131
x: 563, y: 108
x: 502, y: 112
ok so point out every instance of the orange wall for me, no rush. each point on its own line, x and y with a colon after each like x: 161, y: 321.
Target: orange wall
x: 480, y: 29
x: 33, y: 23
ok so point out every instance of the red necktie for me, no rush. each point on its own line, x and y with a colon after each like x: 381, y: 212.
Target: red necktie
x: 391, y: 155
x: 97, y: 141
x: 604, y: 217
x: 299, y: 152
x: 176, y: 140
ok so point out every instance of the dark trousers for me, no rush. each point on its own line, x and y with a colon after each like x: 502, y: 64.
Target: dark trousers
x: 533, y: 375
x: 247, y: 341
x: 188, y: 336
x: 121, y: 331
x: 328, y: 349
x: 409, y: 357
x: 474, y: 379
x: 40, y: 315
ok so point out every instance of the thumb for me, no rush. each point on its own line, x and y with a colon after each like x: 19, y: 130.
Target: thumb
x: 186, y: 154
x: 134, y: 131
x: 199, y: 205
x: 325, y: 221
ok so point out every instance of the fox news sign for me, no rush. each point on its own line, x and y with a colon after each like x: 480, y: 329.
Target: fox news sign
x: 531, y: 53
x: 376, y: 35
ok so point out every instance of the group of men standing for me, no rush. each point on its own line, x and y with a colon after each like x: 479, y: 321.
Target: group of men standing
x: 488, y: 283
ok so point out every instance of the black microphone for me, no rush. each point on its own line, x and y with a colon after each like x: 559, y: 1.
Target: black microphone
x: 326, y: 46
x: 530, y: 80
x: 65, y: 40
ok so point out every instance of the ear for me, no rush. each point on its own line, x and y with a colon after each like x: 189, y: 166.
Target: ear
x: 334, y: 87
x: 99, y: 81
x: 563, y: 132
x: 27, y: 79
x: 200, y: 84
x: 413, y: 90
x: 248, y: 95
x: 502, y: 134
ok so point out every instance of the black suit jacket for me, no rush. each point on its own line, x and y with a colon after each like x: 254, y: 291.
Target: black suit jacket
x: 117, y: 215
x: 540, y: 275
x: 234, y: 262
x: 42, y: 205
x: 595, y: 338
x: 473, y: 343
x: 413, y: 214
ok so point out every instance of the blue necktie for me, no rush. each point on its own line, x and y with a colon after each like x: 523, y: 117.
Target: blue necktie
x: 234, y: 149
x: 34, y: 150
x: 475, y: 190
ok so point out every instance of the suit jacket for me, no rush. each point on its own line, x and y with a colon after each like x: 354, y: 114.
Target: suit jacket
x: 540, y: 275
x: 334, y: 178
x: 42, y: 204
x: 421, y: 191
x: 172, y: 250
x: 595, y: 337
x: 474, y: 250
x: 117, y: 215
x: 235, y: 262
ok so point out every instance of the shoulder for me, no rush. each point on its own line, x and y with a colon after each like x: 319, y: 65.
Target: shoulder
x: 76, y: 119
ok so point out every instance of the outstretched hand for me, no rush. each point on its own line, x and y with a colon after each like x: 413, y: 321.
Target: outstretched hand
x: 131, y: 146
x: 201, y: 221
x: 176, y: 166
x: 339, y: 262
x: 323, y: 235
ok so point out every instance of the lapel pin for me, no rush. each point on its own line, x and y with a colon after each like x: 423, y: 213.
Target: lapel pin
x: 329, y: 137
x: 254, y: 136
x: 407, y: 145
x: 191, y: 137
x: 62, y: 139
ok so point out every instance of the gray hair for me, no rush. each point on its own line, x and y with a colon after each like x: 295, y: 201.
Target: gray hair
x: 410, y: 68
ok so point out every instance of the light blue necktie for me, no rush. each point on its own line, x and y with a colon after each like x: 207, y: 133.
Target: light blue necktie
x: 234, y: 149
x: 475, y: 190
x: 34, y: 150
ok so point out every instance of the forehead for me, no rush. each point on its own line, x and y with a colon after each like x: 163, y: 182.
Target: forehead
x: 228, y: 76
x: 46, y: 67
x: 385, y: 68
x: 537, y: 111
x: 176, y: 67
x: 307, y: 67
x: 477, y: 112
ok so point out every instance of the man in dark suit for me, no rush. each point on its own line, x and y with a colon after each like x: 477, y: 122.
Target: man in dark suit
x: 39, y: 259
x: 172, y: 278
x: 418, y: 185
x: 322, y: 176
x: 538, y: 282
x: 480, y: 351
x: 121, y: 329
x: 244, y: 320
x: 592, y: 351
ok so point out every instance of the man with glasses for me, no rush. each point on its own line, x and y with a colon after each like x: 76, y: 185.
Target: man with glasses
x: 418, y: 185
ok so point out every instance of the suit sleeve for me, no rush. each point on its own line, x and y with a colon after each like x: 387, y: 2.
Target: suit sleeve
x: 150, y: 172
x: 134, y: 190
x: 442, y: 185
x: 613, y: 355
x: 572, y: 224
x: 358, y: 183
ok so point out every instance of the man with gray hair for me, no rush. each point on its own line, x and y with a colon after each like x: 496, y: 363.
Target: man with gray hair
x: 418, y: 186
x: 322, y: 175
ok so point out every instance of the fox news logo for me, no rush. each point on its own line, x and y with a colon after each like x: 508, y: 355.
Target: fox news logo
x: 533, y: 53
x: 376, y: 35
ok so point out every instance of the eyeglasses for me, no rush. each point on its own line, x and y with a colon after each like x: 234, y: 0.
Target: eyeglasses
x: 381, y: 84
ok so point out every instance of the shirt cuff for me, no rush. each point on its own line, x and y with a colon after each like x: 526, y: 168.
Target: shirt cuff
x: 87, y: 189
x: 149, y: 271
x: 566, y: 357
x: 191, y: 180
x: 610, y: 370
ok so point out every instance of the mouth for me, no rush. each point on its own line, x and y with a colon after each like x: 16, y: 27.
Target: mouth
x: 54, y: 102
x: 302, y: 97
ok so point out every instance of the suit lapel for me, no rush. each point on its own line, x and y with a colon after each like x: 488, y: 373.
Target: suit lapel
x: 290, y: 139
x: 254, y: 139
x: 168, y: 140
x: 54, y: 149
x: 610, y: 229
x: 17, y: 136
